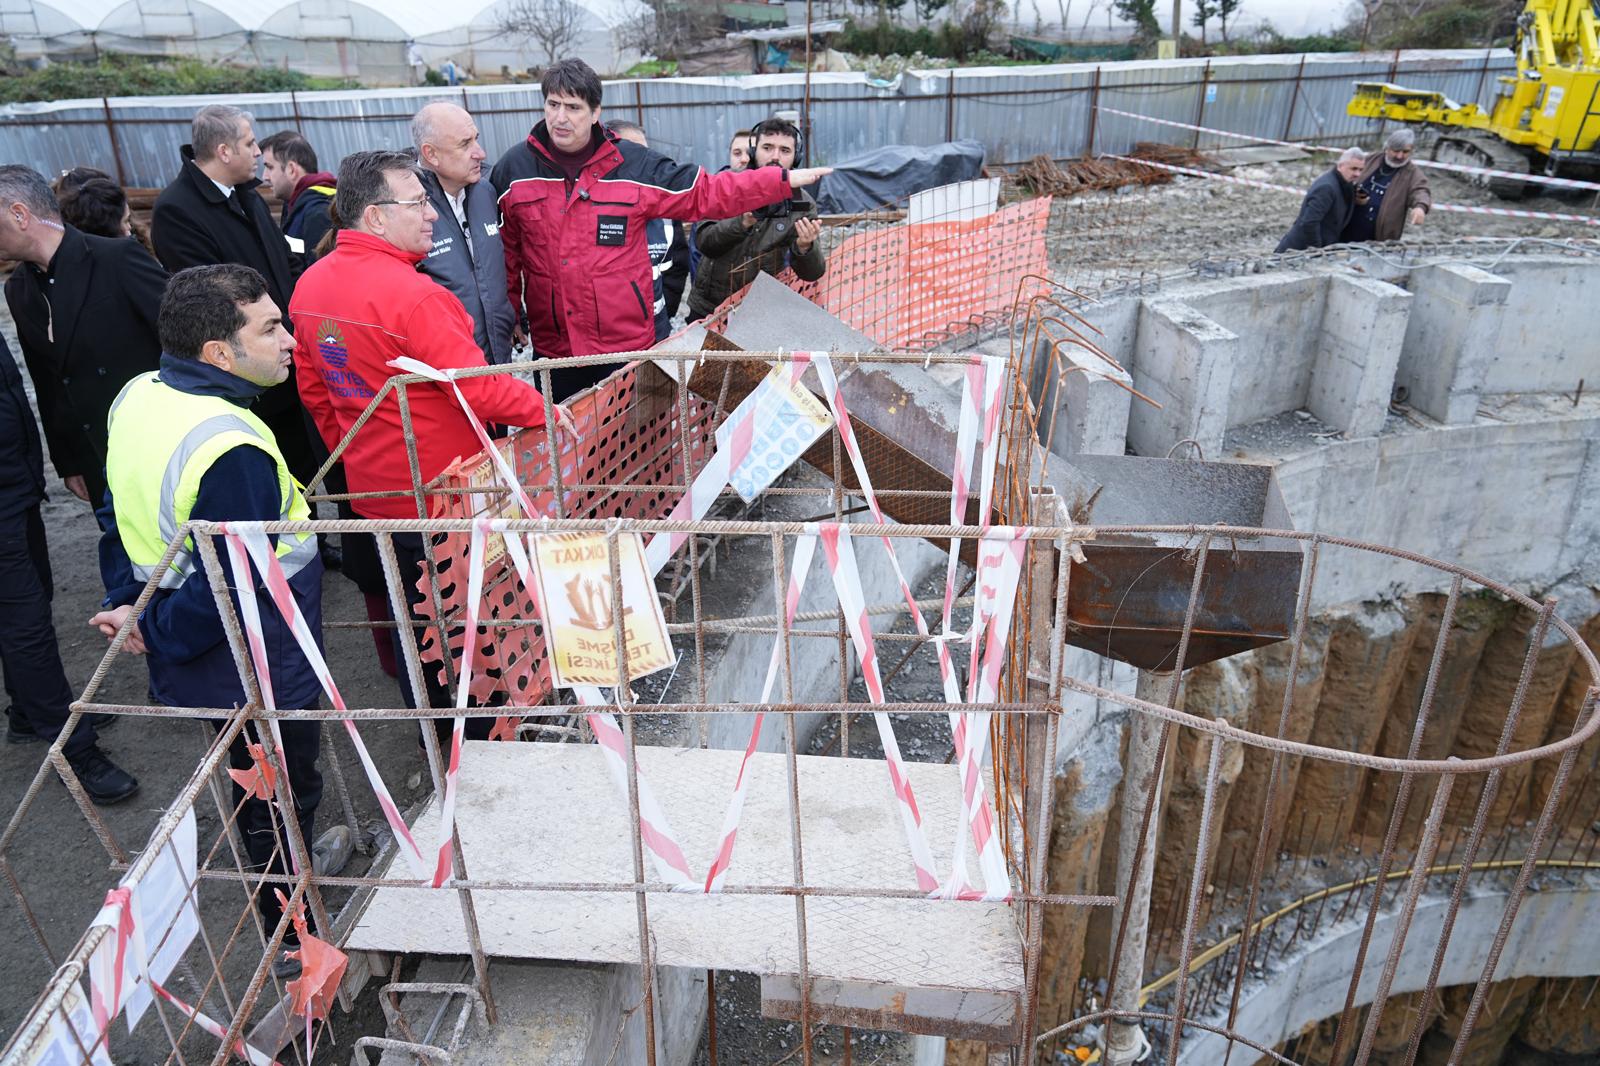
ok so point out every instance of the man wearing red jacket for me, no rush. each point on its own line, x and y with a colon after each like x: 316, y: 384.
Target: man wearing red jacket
x: 574, y: 201
x: 363, y: 305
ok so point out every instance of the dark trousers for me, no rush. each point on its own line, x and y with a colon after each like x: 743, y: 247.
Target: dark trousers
x: 258, y: 824
x: 568, y: 381
x: 35, y: 682
x: 412, y: 564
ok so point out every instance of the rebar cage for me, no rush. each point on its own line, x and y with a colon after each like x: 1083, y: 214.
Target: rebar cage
x: 635, y: 428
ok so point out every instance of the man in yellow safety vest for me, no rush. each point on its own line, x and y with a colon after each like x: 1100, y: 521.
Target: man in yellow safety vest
x: 183, y: 445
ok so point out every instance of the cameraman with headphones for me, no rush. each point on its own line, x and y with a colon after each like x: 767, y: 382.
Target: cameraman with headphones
x: 733, y: 251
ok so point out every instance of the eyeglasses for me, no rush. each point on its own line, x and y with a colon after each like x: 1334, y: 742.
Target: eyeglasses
x: 417, y: 203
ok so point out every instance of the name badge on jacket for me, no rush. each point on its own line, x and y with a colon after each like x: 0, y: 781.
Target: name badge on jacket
x: 611, y: 230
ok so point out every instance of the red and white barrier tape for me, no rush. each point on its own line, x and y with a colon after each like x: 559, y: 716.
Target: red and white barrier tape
x: 714, y: 476
x: 1462, y: 209
x: 106, y: 967
x: 982, y: 394
x: 416, y: 366
x: 804, y: 547
x: 255, y: 542
x: 469, y: 647
x: 1431, y: 164
x: 654, y: 828
x: 841, y: 559
x: 250, y: 617
x: 242, y: 1049
x: 997, y: 883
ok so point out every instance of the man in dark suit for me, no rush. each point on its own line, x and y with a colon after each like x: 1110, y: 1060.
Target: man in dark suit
x: 85, y: 311
x: 211, y: 213
x: 1328, y: 205
x: 35, y: 683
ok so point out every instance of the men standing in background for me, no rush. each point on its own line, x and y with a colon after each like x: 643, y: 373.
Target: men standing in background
x: 36, y: 685
x: 739, y: 151
x: 668, y: 242
x: 734, y: 250
x: 289, y: 166
x: 1329, y: 202
x: 1391, y: 192
x: 467, y: 257
x: 210, y: 214
x: 574, y: 202
x: 85, y: 311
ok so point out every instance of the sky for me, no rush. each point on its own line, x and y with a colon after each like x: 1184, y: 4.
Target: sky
x: 1291, y: 17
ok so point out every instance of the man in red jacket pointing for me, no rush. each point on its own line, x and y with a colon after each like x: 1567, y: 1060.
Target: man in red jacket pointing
x: 363, y: 305
x: 574, y: 201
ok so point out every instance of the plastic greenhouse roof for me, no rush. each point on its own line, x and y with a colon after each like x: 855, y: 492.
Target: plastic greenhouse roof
x: 417, y: 18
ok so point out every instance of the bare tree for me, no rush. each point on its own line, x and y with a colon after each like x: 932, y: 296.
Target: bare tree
x: 554, y: 25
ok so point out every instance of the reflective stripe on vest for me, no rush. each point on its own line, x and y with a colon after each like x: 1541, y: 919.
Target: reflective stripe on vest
x: 180, y: 435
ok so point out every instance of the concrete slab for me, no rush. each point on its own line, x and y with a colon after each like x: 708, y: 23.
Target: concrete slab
x: 773, y: 316
x: 1363, y: 330
x: 1185, y: 362
x: 545, y: 813
x: 969, y: 1015
x: 1452, y: 339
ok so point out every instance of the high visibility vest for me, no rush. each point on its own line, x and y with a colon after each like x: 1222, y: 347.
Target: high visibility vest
x: 161, y: 443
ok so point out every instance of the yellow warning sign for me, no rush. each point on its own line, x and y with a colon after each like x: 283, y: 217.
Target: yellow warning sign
x: 574, y: 575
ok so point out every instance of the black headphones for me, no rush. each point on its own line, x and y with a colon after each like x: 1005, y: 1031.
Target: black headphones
x: 799, y: 138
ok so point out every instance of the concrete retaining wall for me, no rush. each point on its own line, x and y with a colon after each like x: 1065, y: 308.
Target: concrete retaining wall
x: 1493, y: 465
x: 1551, y: 938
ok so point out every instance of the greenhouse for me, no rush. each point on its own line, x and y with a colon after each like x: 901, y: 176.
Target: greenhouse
x: 391, y: 44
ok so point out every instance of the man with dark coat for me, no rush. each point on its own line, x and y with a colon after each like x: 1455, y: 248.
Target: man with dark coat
x: 1391, y: 193
x: 668, y: 241
x: 289, y: 166
x: 467, y: 257
x: 574, y: 204
x: 36, y: 685
x: 210, y: 214
x: 734, y: 250
x: 85, y: 311
x: 1325, y: 211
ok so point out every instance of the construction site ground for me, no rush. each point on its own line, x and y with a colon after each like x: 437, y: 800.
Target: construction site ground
x: 63, y: 868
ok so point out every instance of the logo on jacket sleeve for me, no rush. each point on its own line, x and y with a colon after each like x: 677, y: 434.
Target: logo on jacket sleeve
x: 330, y: 344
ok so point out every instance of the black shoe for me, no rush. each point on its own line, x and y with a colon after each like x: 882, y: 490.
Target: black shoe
x: 332, y: 554
x: 102, y: 779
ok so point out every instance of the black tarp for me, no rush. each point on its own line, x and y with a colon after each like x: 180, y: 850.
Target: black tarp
x: 886, y: 176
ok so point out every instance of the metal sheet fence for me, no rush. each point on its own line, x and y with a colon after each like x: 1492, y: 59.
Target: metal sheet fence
x: 1017, y: 113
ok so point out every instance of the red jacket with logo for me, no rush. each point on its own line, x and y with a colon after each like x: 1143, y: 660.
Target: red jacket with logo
x: 355, y: 309
x: 577, y: 259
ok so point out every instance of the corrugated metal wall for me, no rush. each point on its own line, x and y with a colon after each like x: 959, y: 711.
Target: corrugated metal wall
x: 1016, y: 113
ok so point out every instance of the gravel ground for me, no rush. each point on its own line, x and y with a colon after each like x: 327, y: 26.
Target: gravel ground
x: 1099, y: 237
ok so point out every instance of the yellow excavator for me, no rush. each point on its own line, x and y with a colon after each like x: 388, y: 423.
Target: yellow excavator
x: 1545, y: 118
